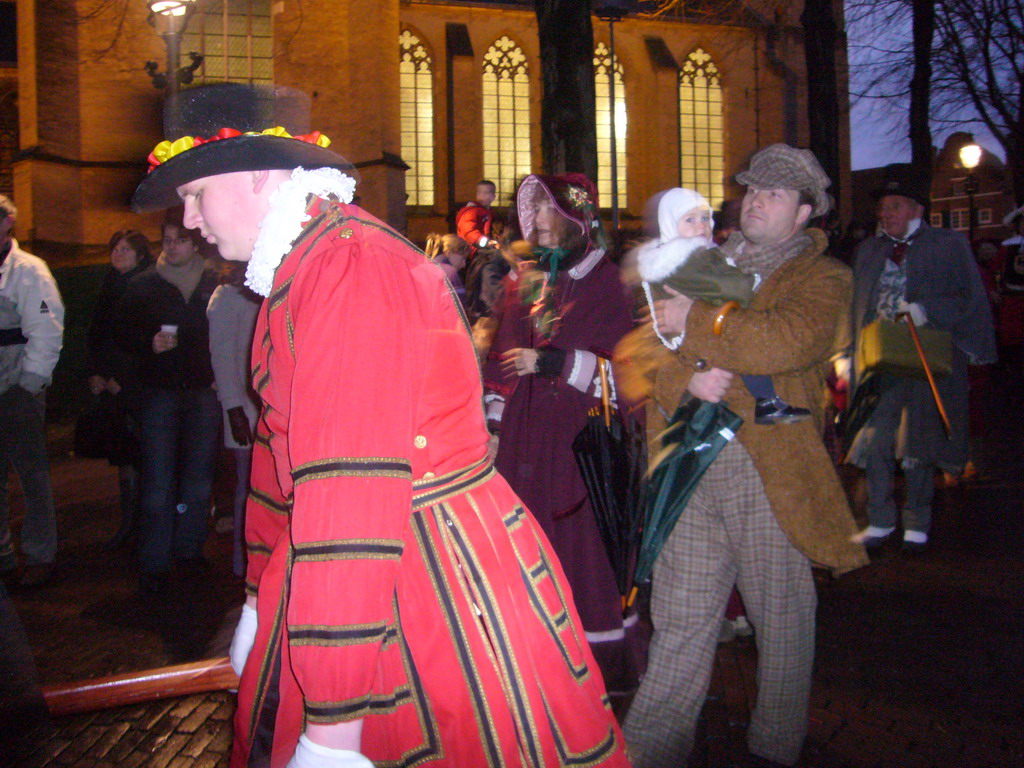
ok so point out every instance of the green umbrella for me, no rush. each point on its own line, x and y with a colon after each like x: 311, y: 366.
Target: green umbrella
x: 696, y: 434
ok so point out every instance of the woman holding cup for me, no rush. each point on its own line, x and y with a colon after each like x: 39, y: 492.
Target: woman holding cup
x: 163, y: 322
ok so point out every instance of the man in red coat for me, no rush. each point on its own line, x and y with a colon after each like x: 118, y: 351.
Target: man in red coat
x: 474, y: 220
x: 402, y: 606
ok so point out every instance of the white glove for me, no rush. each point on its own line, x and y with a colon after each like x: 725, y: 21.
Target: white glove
x: 915, y: 310
x: 841, y: 365
x: 309, y: 754
x: 245, y: 636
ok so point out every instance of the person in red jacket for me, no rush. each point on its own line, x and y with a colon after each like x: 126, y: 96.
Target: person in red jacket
x: 403, y: 607
x: 474, y: 220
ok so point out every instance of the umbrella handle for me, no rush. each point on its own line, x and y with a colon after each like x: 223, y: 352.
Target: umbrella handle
x: 627, y: 602
x: 723, y: 312
x: 928, y: 373
x: 606, y: 404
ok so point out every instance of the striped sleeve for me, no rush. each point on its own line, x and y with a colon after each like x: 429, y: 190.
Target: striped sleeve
x: 354, y: 326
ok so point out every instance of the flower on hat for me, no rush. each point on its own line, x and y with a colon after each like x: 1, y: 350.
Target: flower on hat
x: 165, y: 150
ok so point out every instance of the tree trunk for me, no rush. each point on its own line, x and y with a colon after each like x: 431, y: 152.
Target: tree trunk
x: 822, y: 87
x: 568, y: 127
x: 921, y: 152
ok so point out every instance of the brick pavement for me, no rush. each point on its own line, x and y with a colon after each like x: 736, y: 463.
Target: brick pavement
x: 918, y: 659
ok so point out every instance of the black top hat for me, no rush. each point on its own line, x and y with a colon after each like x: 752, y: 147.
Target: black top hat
x: 903, y: 179
x: 220, y: 129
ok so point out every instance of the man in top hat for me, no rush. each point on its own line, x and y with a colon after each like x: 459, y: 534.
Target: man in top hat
x: 402, y: 606
x: 930, y: 274
x: 770, y: 506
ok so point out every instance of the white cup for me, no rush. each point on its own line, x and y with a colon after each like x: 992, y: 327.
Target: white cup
x: 171, y: 329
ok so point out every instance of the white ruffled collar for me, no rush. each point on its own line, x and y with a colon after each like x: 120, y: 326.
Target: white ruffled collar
x: 286, y: 218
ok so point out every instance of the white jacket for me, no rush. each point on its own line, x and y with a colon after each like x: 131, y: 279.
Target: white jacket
x: 29, y: 300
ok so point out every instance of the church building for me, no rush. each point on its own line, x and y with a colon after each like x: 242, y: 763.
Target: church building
x: 425, y: 97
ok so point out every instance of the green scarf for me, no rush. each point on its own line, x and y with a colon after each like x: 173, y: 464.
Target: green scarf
x: 544, y: 308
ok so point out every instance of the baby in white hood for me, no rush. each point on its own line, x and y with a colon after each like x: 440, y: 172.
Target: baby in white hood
x: 685, y: 259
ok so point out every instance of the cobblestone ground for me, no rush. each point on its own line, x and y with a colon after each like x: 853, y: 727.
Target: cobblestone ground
x: 918, y: 658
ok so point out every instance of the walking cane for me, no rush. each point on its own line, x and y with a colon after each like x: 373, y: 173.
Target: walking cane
x: 135, y: 687
x: 928, y: 373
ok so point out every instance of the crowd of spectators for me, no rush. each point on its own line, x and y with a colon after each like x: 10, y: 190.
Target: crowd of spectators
x: 168, y: 365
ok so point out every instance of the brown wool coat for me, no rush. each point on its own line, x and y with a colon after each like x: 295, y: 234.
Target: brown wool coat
x: 788, y: 332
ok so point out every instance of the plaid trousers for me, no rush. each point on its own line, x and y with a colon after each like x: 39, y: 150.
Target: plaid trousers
x: 727, y: 534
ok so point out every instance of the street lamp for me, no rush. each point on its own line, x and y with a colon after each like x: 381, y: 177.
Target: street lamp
x: 612, y: 11
x: 970, y: 156
x: 169, y: 18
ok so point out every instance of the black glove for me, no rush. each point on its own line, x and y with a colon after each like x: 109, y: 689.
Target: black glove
x: 239, y: 423
x: 550, y: 361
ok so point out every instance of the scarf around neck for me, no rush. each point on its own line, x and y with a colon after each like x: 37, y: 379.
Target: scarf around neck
x: 764, y: 261
x: 185, y: 277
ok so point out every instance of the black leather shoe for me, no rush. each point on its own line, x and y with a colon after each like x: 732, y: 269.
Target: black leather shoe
x: 775, y: 410
x: 914, y: 547
x: 875, y: 543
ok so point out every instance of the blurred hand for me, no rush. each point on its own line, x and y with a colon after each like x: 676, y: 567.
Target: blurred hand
x: 239, y: 423
x: 915, y: 310
x: 96, y: 383
x: 670, y: 314
x: 112, y: 386
x: 521, y: 361
x: 842, y: 366
x: 164, y: 342
x: 492, y: 447
x: 710, y: 385
x: 310, y: 753
x: 244, y: 637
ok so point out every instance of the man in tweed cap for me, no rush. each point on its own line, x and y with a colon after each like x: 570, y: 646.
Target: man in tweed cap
x: 770, y: 506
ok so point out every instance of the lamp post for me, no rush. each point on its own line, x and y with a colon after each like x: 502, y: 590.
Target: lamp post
x: 613, y: 11
x: 970, y: 156
x: 169, y: 18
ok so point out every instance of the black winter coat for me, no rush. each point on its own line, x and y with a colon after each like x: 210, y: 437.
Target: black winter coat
x: 150, y: 302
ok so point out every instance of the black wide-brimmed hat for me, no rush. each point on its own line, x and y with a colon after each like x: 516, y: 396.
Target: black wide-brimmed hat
x: 231, y: 127
x: 905, y: 180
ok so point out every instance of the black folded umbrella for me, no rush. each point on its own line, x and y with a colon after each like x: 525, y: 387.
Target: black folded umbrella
x: 696, y: 434
x: 865, y: 399
x: 611, y: 453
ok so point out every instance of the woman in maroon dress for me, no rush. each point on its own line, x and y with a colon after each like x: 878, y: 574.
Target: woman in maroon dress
x: 561, y: 313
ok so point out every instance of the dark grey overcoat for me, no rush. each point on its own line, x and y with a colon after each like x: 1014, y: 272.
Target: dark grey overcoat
x: 942, y: 277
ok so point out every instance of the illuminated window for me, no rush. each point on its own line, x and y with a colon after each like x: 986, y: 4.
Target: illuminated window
x: 958, y: 218
x: 602, y: 70
x: 235, y: 39
x: 985, y: 216
x: 936, y: 219
x: 506, y: 116
x: 416, y: 96
x: 700, y: 127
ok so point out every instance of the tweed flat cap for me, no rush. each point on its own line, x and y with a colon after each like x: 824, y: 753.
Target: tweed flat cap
x: 781, y: 166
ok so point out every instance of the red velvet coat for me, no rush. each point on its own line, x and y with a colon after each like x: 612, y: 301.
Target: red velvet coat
x: 399, y: 579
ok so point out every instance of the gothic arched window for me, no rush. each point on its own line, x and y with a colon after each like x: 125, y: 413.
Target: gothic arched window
x: 701, y: 146
x: 602, y: 81
x: 416, y: 98
x: 506, y: 115
x: 236, y: 40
